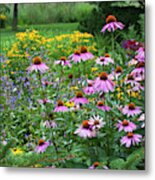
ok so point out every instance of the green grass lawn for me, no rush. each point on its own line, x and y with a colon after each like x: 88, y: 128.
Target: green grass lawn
x: 7, y: 36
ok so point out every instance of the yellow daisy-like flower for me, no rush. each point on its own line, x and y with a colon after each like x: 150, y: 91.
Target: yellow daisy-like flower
x: 16, y: 151
x: 134, y: 94
x: 93, y: 69
x: 8, y: 61
x: 69, y: 104
x: 120, y: 96
x: 74, y: 88
x: 118, y: 89
x: 12, y: 72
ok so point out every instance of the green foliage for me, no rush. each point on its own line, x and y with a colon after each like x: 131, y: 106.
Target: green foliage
x: 24, y: 118
x: 131, y: 162
x: 96, y: 19
x: 141, y: 22
x: 46, y: 13
x: 4, y: 9
x: 128, y: 3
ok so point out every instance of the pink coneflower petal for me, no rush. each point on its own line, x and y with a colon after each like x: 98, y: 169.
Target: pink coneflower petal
x: 44, y: 101
x: 112, y: 24
x: 130, y: 139
x: 126, y: 125
x: 85, y: 130
x: 85, y: 55
x: 60, y: 107
x: 37, y: 65
x: 96, y: 122
x: 63, y: 62
x: 101, y: 105
x: 42, y: 146
x: 79, y: 99
x: 76, y: 57
x: 131, y: 110
x: 103, y: 84
x: 140, y: 54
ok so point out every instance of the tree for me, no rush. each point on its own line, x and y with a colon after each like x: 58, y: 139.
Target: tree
x: 15, y: 17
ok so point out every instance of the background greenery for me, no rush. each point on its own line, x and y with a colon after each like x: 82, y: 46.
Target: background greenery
x: 61, y: 18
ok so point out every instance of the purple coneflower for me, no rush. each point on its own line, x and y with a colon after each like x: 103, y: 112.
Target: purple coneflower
x: 100, y: 105
x: 42, y: 145
x: 104, y: 60
x: 94, y: 165
x: 112, y: 24
x: 131, y: 110
x: 89, y: 89
x: 131, y: 139
x: 46, y: 83
x: 131, y: 80
x: 79, y: 99
x: 116, y: 73
x: 37, y: 65
x: 44, y: 101
x: 138, y: 87
x: 64, y: 62
x: 103, y: 83
x: 139, y: 71
x: 76, y: 56
x: 142, y: 118
x: 85, y: 55
x: 96, y: 122
x: 60, y: 107
x: 141, y: 54
x: 75, y: 108
x: 131, y: 44
x: 50, y: 124
x: 132, y: 62
x: 126, y: 125
x: 85, y: 130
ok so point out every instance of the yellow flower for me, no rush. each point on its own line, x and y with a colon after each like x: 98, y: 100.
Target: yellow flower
x: 74, y: 88
x: 60, y: 46
x: 93, y: 69
x: 16, y: 151
x: 3, y: 17
x: 25, y: 46
x: 118, y: 89
x: 33, y: 48
x: 58, y: 38
x: 134, y: 94
x: 120, y: 96
x: 92, y: 100
x: 8, y: 61
x: 48, y: 45
x: 37, y: 166
x: 12, y: 72
x: 69, y: 104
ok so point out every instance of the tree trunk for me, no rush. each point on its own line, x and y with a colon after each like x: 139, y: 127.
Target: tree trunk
x: 15, y: 17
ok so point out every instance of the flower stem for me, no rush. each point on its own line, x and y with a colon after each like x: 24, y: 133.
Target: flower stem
x: 112, y: 42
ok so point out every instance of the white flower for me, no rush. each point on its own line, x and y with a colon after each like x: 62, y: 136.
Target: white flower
x: 142, y: 118
x: 96, y: 122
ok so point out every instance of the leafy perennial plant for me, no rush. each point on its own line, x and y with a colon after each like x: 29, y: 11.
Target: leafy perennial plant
x: 66, y: 104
